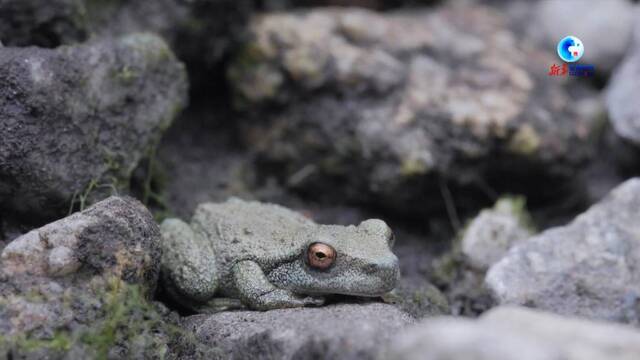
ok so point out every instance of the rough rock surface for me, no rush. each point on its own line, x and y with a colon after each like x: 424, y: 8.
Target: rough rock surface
x: 623, y: 109
x: 348, y: 331
x: 79, y: 118
x: 404, y: 100
x: 199, y: 31
x: 507, y: 333
x: 78, y: 288
x: 117, y: 236
x: 604, y: 26
x: 42, y: 23
x: 587, y: 268
x: 494, y: 231
x: 419, y: 299
x: 460, y: 271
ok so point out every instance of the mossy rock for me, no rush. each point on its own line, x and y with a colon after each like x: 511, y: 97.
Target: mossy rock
x: 110, y: 319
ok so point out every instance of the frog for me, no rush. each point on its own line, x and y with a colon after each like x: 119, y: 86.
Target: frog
x: 263, y: 256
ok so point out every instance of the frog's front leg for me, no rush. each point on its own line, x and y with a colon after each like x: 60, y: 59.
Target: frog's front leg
x: 258, y: 293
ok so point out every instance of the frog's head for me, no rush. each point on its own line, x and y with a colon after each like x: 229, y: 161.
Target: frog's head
x: 351, y: 260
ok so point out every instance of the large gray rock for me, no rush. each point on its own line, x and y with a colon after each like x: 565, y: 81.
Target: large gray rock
x: 42, y: 23
x: 78, y: 119
x: 588, y: 268
x: 331, y: 332
x: 624, y: 110
x: 404, y: 100
x: 494, y: 231
x: 507, y: 333
x: 604, y: 26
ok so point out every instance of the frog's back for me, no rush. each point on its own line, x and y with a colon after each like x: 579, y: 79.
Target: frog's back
x: 241, y: 230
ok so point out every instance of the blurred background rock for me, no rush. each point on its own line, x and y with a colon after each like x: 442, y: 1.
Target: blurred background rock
x: 430, y: 114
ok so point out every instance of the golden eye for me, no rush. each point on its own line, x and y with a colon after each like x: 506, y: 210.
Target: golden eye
x: 321, y: 256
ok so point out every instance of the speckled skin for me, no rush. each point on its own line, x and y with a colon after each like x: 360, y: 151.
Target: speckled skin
x: 256, y: 253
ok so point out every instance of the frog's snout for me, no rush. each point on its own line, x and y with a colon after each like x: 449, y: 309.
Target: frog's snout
x: 387, y: 265
x: 387, y: 270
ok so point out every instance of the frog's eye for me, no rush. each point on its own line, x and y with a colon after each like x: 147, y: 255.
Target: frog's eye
x: 321, y: 256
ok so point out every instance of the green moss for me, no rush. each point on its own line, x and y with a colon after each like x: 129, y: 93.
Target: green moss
x: 248, y: 58
x: 411, y: 167
x: 133, y: 321
x: 150, y: 46
x: 124, y: 303
x: 126, y: 75
x: 253, y: 76
x: 59, y: 343
x: 423, y: 300
x: 83, y: 199
x: 446, y: 267
x: 517, y: 206
x: 153, y: 186
x: 125, y: 323
x: 525, y: 141
x: 599, y: 127
x: 79, y: 17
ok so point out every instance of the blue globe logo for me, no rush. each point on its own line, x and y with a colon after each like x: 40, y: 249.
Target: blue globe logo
x: 570, y: 49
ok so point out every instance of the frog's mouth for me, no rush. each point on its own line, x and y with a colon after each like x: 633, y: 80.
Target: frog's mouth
x: 352, y: 283
x: 347, y: 277
x: 368, y: 287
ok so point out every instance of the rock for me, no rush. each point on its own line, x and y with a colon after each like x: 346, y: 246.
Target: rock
x: 624, y: 111
x: 117, y: 236
x: 604, y: 26
x: 406, y: 100
x: 507, y: 333
x: 199, y: 31
x: 272, y: 5
x: 347, y: 331
x: 419, y: 299
x: 588, y: 268
x: 42, y: 23
x: 460, y: 272
x: 462, y: 284
x: 79, y: 288
x: 78, y: 119
x: 415, y: 294
x: 494, y: 231
x: 105, y: 318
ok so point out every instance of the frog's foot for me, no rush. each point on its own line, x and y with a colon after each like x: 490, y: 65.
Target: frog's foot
x: 313, y: 300
x: 216, y: 305
x: 280, y: 298
x: 258, y: 293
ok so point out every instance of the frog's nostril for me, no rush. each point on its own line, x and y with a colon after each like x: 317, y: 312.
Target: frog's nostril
x: 371, y: 268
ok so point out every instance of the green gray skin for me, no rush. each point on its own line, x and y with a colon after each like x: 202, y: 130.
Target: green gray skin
x: 257, y: 253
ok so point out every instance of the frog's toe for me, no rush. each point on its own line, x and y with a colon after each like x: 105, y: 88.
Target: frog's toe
x: 314, y: 301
